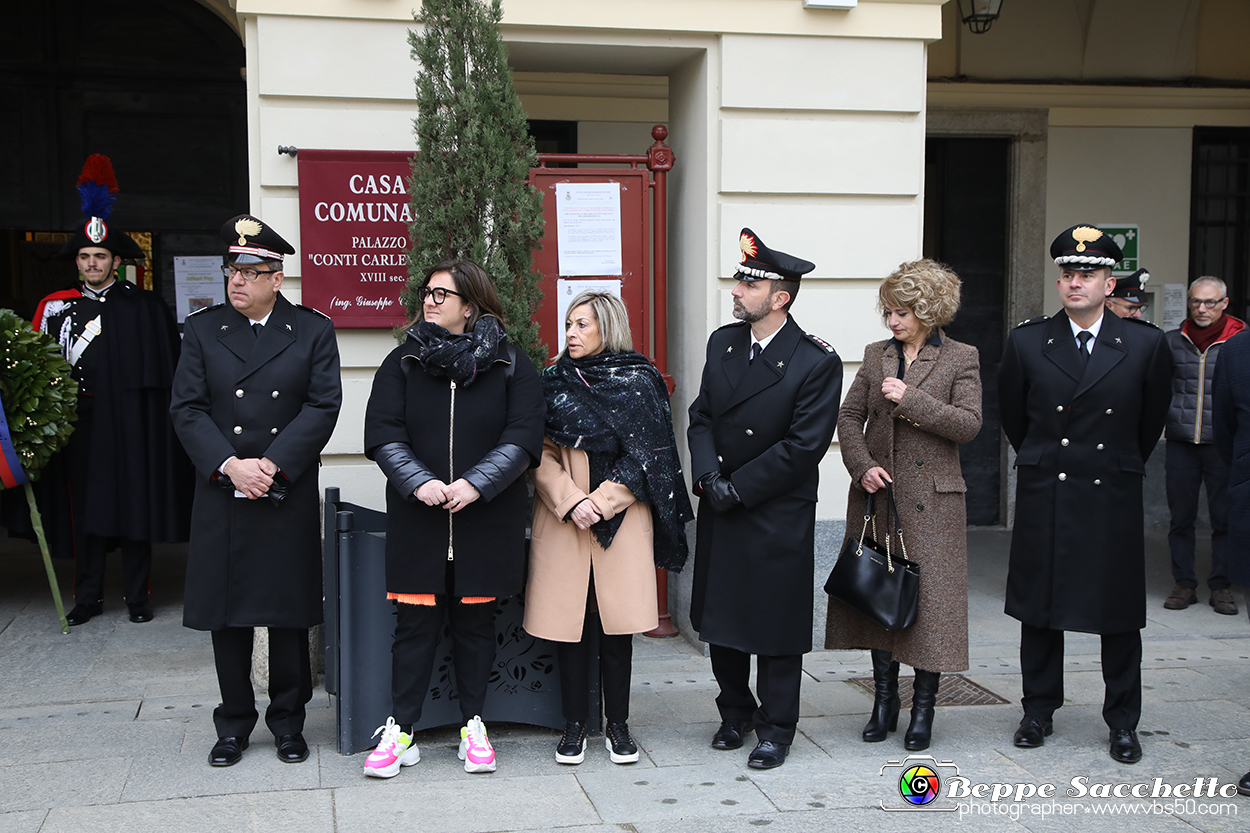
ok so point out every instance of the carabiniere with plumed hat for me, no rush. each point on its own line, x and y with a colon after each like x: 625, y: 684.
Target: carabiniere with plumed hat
x: 124, y: 480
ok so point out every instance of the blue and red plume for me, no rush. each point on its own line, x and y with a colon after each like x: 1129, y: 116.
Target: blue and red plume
x: 97, y: 185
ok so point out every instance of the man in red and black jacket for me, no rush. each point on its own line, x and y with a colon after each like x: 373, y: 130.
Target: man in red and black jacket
x: 1191, y: 454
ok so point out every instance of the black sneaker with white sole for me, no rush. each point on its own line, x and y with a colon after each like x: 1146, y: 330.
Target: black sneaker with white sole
x: 621, y: 747
x: 572, y: 748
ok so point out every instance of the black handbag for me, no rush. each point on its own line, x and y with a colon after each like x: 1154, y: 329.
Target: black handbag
x: 868, y: 578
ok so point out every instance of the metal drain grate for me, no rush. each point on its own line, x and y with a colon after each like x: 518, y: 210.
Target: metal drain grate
x: 953, y: 690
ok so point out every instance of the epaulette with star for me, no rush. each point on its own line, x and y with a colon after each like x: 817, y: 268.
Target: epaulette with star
x: 1143, y: 321
x: 819, y: 342
x: 1039, y: 319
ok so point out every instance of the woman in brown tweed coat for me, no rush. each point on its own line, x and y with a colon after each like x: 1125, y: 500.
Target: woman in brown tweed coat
x: 914, y: 399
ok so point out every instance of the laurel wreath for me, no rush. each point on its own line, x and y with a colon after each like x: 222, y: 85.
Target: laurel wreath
x: 39, y: 395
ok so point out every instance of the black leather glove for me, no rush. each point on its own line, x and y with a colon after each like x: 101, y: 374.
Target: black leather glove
x: 719, y: 491
x: 278, y: 489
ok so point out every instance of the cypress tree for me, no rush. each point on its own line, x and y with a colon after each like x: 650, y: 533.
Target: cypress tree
x: 469, y: 194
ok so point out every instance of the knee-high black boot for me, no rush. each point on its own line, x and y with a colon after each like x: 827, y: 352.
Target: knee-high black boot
x: 884, y: 717
x: 924, y: 696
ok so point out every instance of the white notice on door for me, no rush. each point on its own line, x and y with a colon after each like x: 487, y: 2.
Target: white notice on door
x: 197, y: 284
x: 588, y: 228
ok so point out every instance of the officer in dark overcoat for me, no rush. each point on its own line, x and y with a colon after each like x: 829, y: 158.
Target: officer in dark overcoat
x: 764, y: 417
x: 1082, y: 397
x: 255, y: 399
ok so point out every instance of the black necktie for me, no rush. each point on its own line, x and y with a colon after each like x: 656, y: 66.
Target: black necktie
x: 755, y: 351
x: 257, y: 327
x: 1084, y: 336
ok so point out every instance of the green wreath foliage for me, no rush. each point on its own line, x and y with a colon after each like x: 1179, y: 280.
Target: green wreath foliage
x: 40, y: 396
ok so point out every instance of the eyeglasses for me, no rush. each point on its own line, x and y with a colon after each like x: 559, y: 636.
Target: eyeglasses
x: 249, y: 274
x: 439, y: 294
x: 1130, y: 304
x: 1194, y: 303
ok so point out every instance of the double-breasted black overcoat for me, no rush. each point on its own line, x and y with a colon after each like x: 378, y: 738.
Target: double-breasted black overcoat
x: 450, y: 428
x: 276, y: 395
x: 765, y: 425
x: 1082, y: 438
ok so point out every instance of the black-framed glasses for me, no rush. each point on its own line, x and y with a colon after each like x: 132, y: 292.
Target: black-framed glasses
x: 1194, y: 303
x: 439, y: 294
x: 249, y: 274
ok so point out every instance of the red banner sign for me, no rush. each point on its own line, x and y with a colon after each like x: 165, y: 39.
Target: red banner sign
x: 353, y: 220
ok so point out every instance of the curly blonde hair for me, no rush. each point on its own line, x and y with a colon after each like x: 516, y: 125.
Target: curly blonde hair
x: 928, y: 288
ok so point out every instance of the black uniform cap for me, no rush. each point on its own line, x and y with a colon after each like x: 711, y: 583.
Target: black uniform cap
x: 1130, y: 287
x: 251, y: 241
x: 760, y: 263
x: 1084, y: 248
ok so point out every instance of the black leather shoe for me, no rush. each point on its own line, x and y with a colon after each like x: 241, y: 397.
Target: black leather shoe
x: 82, y: 613
x: 767, y: 755
x: 729, y: 735
x: 1033, y: 732
x: 140, y: 613
x: 291, y: 748
x: 227, y: 751
x: 1243, y: 786
x: 1124, y: 746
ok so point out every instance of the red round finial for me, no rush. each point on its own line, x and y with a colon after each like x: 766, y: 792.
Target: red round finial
x: 659, y: 133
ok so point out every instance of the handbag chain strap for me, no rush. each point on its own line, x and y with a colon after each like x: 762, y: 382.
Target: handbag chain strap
x: 870, y: 514
x: 898, y: 520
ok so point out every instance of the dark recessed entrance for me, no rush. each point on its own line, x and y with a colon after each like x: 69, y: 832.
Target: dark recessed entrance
x: 967, y: 187
x: 154, y: 84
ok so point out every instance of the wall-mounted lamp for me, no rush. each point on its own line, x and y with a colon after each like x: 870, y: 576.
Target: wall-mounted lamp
x: 979, y: 14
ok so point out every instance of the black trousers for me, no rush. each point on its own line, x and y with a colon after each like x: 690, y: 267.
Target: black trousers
x: 290, y: 681
x: 616, y: 657
x: 418, y: 630
x: 778, y: 679
x: 90, y: 556
x: 1187, y: 467
x: 1041, y: 663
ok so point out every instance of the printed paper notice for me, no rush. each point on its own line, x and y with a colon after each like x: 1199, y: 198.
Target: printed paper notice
x: 1175, y: 296
x: 567, y: 290
x: 588, y: 228
x: 198, y: 284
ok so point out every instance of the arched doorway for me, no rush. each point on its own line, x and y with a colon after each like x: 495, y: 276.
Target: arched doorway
x: 157, y: 85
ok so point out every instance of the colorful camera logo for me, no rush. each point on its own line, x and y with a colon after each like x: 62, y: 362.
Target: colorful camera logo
x: 918, y: 780
x: 919, y: 785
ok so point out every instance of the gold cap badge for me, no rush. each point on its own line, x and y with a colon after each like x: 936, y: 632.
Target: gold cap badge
x: 247, y: 228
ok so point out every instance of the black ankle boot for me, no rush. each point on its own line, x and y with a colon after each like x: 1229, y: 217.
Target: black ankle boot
x: 923, y: 698
x: 885, y: 706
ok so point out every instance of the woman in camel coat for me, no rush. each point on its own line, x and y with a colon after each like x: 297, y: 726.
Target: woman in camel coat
x: 611, y: 506
x: 916, y: 397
